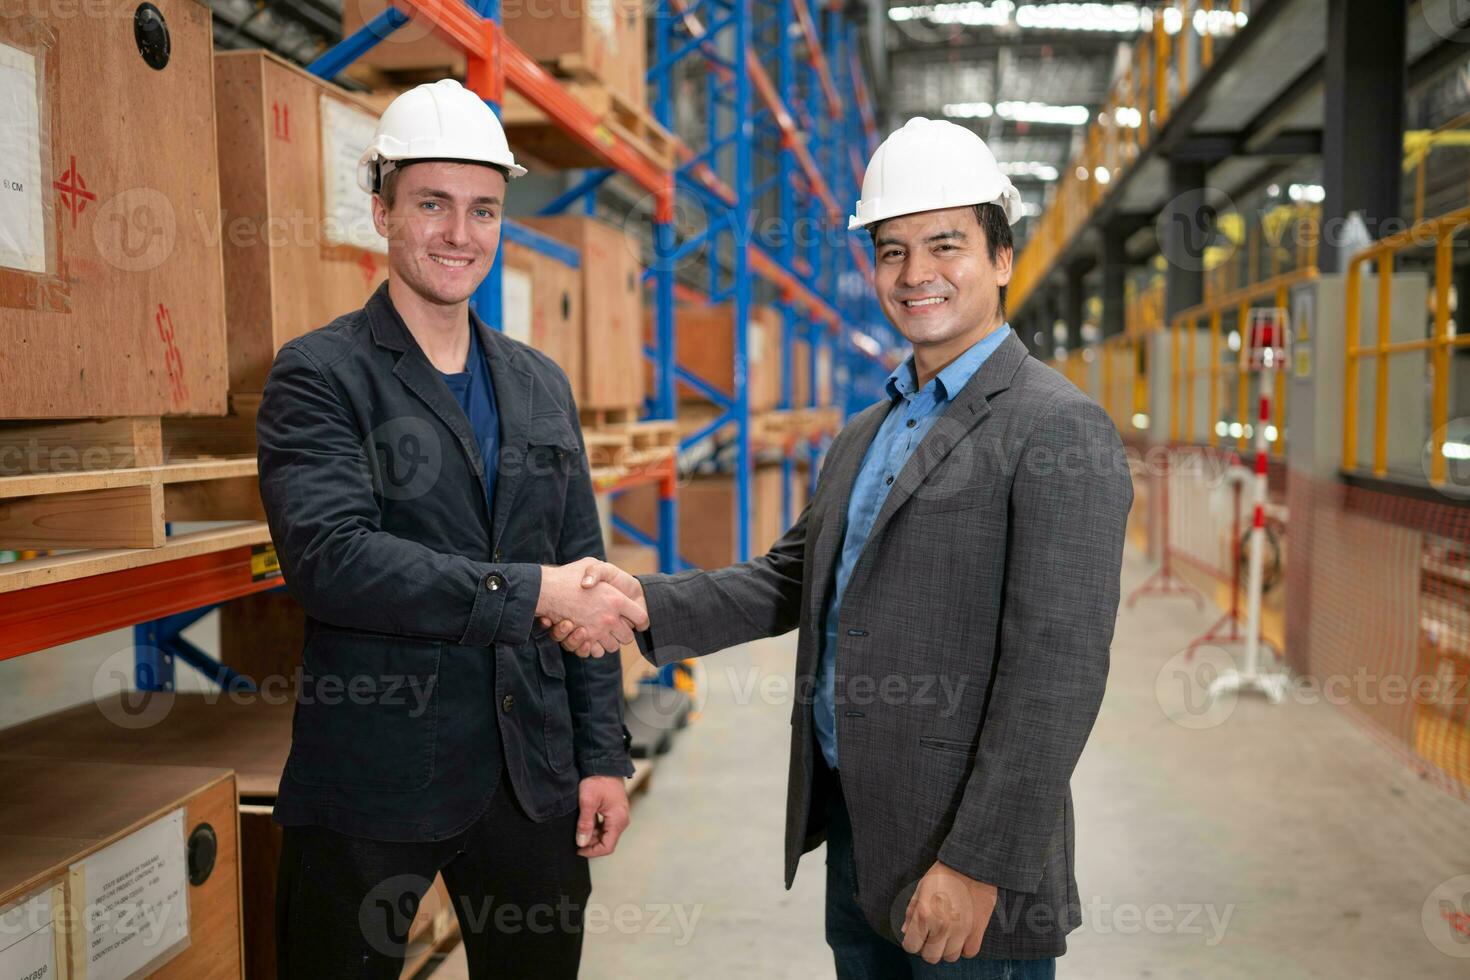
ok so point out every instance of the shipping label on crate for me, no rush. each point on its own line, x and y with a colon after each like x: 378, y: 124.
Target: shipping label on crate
x: 516, y: 311
x: 347, y: 210
x: 132, y: 902
x: 28, y: 936
x: 22, y: 194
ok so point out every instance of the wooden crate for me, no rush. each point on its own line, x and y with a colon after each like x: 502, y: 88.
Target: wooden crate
x: 249, y: 735
x: 299, y: 246
x: 707, y: 515
x: 705, y: 344
x: 543, y: 307
x: 635, y: 559
x: 112, y: 290
x: 56, y: 815
x: 574, y: 39
x: 800, y: 380
x: 612, y: 301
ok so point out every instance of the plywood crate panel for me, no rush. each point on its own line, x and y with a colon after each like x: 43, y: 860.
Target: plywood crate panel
x: 612, y: 308
x: 705, y: 344
x: 299, y: 247
x: 574, y: 38
x: 249, y: 733
x: 707, y: 515
x: 111, y: 285
x: 543, y: 307
x: 57, y: 814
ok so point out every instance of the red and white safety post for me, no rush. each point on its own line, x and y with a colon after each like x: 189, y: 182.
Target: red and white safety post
x: 1269, y: 340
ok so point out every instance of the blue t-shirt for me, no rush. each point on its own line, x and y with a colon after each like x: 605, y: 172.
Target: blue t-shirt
x: 476, y: 395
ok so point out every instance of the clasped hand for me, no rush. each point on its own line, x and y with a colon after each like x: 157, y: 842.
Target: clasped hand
x: 590, y: 606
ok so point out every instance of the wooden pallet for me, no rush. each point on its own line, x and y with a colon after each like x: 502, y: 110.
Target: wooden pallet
x: 608, y: 418
x: 528, y: 128
x: 114, y: 483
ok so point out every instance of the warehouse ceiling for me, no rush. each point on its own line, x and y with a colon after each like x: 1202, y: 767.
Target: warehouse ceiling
x: 1027, y: 75
x: 295, y: 29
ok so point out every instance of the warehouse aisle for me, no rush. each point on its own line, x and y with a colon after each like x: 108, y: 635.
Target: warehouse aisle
x: 1185, y: 868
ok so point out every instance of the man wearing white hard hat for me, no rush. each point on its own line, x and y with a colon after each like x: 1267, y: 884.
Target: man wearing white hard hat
x: 428, y: 494
x: 955, y: 582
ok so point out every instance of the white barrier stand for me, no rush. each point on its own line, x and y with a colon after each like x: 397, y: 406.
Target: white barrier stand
x: 1269, y: 339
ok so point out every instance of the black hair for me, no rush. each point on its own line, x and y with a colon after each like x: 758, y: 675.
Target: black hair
x: 992, y: 221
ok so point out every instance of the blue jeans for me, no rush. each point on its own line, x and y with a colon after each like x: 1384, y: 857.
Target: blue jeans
x: 862, y: 954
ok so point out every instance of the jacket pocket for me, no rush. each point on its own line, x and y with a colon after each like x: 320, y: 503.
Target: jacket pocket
x: 556, y: 709
x: 946, y: 745
x: 366, y: 712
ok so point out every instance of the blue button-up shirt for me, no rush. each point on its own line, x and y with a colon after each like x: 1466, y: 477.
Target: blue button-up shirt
x: 913, y: 414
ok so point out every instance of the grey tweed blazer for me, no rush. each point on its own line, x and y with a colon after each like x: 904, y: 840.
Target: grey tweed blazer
x: 972, y: 645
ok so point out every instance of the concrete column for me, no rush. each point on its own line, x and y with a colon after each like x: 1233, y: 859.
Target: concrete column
x: 1185, y: 227
x: 1363, y: 126
x: 1075, y: 304
x: 1114, y: 274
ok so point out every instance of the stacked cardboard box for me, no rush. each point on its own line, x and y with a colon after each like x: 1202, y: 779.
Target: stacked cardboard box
x: 705, y: 345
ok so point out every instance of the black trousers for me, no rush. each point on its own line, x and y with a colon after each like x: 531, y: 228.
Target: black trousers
x: 344, y: 904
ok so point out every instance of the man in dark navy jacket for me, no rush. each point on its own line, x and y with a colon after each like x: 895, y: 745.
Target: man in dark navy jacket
x: 428, y: 493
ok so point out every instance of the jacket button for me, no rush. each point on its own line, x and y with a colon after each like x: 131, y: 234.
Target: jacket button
x: 508, y: 702
x: 494, y: 582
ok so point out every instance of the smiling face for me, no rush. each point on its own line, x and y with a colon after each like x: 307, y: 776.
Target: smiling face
x: 443, y: 227
x: 936, y: 280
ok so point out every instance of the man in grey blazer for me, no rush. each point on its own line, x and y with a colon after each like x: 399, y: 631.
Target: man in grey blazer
x: 955, y: 583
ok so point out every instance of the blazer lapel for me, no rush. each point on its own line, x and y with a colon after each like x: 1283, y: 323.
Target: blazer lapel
x: 515, y: 387
x: 842, y: 470
x: 966, y: 410
x: 421, y: 378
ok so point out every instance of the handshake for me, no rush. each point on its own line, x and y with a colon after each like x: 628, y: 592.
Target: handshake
x: 590, y: 607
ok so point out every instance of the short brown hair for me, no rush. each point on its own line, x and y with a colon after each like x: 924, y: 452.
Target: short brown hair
x: 388, y: 182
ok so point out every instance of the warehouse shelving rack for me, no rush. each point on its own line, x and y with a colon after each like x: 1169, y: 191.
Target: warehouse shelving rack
x: 823, y: 299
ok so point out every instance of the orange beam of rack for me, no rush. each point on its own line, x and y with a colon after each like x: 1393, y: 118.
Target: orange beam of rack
x: 818, y: 58
x: 500, y: 60
x: 45, y: 616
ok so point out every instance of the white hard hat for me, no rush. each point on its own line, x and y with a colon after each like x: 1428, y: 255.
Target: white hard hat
x: 931, y: 164
x: 439, y: 121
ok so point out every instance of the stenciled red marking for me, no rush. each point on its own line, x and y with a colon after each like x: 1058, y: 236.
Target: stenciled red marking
x: 172, y: 359
x: 281, y: 112
x: 74, y: 193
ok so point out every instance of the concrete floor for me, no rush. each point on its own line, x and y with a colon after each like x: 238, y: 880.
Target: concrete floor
x: 1279, y: 842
